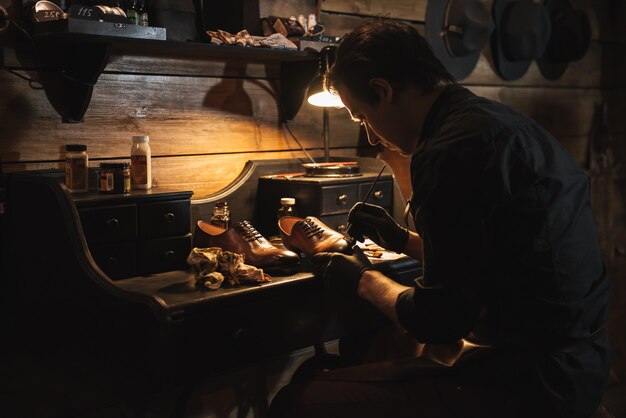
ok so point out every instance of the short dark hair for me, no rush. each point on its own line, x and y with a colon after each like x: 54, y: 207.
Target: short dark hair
x: 391, y: 50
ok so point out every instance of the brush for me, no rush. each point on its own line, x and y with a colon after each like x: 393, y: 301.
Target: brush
x: 369, y: 192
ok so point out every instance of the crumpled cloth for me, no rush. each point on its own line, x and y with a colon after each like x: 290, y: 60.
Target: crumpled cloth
x: 243, y: 38
x: 205, y: 262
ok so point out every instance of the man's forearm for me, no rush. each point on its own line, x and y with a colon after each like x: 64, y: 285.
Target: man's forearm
x: 414, y: 247
x: 380, y: 291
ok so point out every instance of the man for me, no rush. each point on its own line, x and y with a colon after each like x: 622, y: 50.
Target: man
x: 508, y: 244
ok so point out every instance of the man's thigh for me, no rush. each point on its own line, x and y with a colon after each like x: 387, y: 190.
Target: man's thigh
x: 408, y: 388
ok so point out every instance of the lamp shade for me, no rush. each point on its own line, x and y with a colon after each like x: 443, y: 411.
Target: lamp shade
x: 318, y: 96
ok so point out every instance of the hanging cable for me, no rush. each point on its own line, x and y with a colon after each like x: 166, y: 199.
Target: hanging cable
x: 298, y: 142
x: 4, y: 19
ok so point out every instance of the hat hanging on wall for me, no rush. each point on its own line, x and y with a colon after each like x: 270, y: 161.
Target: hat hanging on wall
x: 521, y: 36
x: 569, y: 41
x: 457, y: 30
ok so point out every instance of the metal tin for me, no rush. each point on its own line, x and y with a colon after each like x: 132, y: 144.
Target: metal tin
x: 114, y: 178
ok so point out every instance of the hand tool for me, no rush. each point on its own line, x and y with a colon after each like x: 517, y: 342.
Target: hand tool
x: 347, y: 233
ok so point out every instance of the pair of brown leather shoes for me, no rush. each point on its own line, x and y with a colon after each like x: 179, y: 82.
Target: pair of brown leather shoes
x: 310, y: 236
x: 243, y: 238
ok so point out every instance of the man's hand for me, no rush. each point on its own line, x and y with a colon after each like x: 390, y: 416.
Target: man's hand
x: 342, y: 272
x: 375, y: 223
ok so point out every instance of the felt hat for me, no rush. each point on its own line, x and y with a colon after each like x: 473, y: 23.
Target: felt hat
x: 457, y: 30
x: 522, y: 33
x: 569, y: 41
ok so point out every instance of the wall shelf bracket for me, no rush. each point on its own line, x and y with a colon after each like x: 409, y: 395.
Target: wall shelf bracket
x: 295, y: 78
x: 68, y: 73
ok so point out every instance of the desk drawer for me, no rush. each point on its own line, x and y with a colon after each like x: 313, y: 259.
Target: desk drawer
x: 338, y: 199
x: 164, y: 219
x: 117, y: 260
x: 381, y: 195
x: 112, y: 223
x: 337, y: 222
x: 157, y: 255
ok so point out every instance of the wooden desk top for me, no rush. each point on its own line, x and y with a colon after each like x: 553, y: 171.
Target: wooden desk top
x: 176, y: 292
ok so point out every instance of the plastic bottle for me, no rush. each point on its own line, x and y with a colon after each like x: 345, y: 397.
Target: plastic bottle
x: 286, y: 207
x: 221, y: 215
x: 141, y: 163
x: 77, y: 168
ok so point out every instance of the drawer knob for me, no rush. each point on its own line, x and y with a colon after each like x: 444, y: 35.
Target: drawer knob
x: 342, y: 199
x: 378, y: 194
x: 112, y: 223
x: 169, y: 217
x: 169, y: 254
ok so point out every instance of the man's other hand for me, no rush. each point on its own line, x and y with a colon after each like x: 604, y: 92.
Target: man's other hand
x: 341, y: 272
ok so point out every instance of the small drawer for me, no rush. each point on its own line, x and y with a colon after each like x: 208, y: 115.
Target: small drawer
x: 338, y: 199
x: 157, y: 255
x: 337, y: 222
x: 381, y: 195
x: 109, y: 224
x: 164, y: 219
x: 118, y: 260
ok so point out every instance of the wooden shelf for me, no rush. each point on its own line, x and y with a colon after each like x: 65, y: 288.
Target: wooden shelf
x: 72, y: 61
x: 181, y: 49
x: 213, y: 52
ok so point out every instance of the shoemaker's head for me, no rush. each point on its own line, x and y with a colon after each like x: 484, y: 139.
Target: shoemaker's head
x: 386, y: 74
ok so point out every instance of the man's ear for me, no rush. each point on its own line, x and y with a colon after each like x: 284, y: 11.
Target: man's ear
x: 383, y: 89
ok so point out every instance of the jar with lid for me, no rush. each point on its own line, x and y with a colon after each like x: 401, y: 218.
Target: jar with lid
x: 140, y: 163
x: 77, y: 168
x: 286, y: 207
x: 114, y: 177
x: 221, y: 215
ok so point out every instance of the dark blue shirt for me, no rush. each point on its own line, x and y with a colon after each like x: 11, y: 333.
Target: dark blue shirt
x: 510, y: 245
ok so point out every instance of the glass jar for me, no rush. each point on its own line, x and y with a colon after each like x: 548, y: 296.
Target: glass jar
x: 286, y: 207
x: 114, y: 178
x: 221, y: 215
x: 142, y: 13
x: 76, y: 168
x: 132, y: 12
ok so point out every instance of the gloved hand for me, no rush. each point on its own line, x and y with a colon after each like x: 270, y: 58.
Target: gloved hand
x: 341, y: 272
x: 374, y: 222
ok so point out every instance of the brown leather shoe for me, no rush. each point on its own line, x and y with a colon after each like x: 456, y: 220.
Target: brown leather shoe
x: 310, y: 236
x: 243, y: 238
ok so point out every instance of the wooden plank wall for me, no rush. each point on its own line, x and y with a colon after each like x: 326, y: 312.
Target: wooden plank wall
x: 206, y: 119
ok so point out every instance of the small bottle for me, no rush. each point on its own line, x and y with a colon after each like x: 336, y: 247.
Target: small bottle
x: 131, y: 12
x: 302, y: 21
x: 141, y: 163
x: 286, y: 207
x: 311, y: 24
x: 142, y: 12
x: 114, y: 178
x: 77, y: 168
x: 221, y: 215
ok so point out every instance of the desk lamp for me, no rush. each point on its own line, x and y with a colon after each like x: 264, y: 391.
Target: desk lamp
x: 318, y: 96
